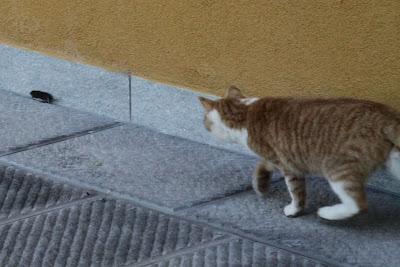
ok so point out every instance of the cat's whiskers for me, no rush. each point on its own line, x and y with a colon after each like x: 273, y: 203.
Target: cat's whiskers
x: 249, y: 101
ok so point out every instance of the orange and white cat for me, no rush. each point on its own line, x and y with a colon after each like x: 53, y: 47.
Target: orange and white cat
x: 341, y: 139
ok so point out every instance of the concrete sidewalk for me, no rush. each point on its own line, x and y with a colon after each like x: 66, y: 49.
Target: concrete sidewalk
x: 77, y: 189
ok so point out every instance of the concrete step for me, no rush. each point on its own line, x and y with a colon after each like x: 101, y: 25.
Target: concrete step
x: 25, y: 122
x: 154, y: 169
x: 60, y: 225
x: 237, y: 252
x: 369, y: 239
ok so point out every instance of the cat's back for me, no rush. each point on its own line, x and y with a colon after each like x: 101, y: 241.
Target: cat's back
x: 304, y: 132
x: 311, y: 123
x: 289, y: 109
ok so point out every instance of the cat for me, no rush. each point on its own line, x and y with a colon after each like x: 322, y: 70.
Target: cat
x: 342, y: 139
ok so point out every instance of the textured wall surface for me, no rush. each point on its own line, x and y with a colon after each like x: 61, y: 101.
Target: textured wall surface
x: 305, y: 47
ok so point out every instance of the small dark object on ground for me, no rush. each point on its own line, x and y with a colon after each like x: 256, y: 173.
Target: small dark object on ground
x: 42, y: 96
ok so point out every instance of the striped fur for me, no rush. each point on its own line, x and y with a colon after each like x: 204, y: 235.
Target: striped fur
x: 341, y: 139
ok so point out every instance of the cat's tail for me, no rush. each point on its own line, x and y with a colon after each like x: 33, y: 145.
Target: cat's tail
x: 393, y: 161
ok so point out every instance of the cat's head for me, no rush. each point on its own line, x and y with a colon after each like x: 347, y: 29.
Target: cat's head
x: 226, y: 117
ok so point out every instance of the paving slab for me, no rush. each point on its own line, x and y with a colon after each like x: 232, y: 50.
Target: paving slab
x: 43, y: 223
x: 383, y: 180
x: 22, y: 192
x: 237, y: 252
x: 174, y: 111
x: 370, y: 239
x: 99, y: 233
x: 156, y: 169
x: 74, y: 85
x: 24, y: 122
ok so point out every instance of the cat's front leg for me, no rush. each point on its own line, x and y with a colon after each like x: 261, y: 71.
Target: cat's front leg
x: 297, y: 189
x: 262, y: 177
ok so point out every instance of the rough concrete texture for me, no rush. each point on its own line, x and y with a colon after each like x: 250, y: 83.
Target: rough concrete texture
x: 167, y: 109
x: 237, y: 252
x: 346, y: 48
x: 25, y: 122
x: 370, y: 239
x: 96, y: 233
x: 136, y: 162
x: 48, y: 224
x: 383, y: 180
x: 22, y: 192
x: 74, y: 85
x: 173, y: 111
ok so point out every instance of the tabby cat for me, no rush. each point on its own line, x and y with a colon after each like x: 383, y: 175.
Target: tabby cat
x: 341, y: 139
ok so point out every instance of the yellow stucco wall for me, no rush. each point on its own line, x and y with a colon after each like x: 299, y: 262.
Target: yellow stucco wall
x: 280, y: 47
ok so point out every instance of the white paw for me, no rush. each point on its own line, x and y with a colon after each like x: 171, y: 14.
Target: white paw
x: 337, y: 212
x: 327, y: 213
x: 291, y: 210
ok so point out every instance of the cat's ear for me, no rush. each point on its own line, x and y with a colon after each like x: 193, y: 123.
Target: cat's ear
x: 208, y: 104
x: 233, y: 92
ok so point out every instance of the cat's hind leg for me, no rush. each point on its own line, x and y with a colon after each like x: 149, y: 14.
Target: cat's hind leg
x: 352, y: 195
x: 297, y: 189
x: 262, y: 178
